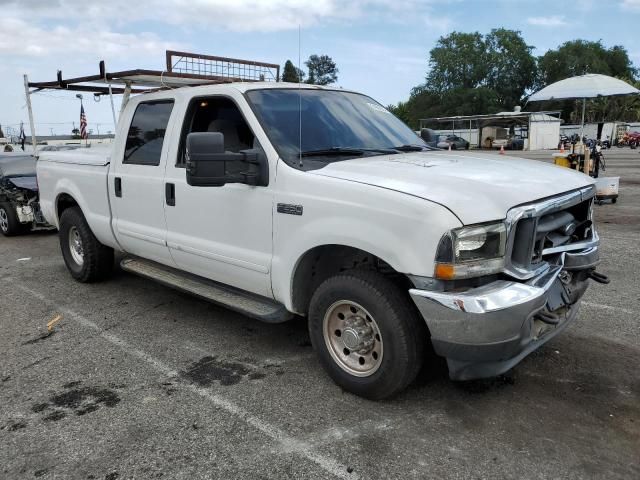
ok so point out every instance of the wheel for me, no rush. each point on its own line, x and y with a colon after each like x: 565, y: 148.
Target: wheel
x: 86, y: 258
x: 367, y: 333
x: 9, y: 223
x: 614, y: 200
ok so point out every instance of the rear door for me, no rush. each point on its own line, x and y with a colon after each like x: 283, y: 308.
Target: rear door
x: 136, y: 186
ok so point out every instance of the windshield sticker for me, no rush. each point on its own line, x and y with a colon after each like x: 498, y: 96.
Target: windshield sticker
x: 377, y: 108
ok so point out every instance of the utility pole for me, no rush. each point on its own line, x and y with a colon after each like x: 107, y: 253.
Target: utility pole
x: 34, y: 142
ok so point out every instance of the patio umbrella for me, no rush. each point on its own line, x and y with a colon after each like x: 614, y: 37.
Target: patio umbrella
x: 591, y: 85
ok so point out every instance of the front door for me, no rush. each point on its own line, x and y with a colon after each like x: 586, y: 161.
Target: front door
x: 136, y: 187
x: 221, y: 233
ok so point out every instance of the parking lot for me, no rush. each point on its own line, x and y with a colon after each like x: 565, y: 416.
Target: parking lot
x: 139, y: 381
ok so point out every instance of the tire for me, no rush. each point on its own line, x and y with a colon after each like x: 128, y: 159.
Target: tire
x: 89, y: 261
x: 380, y: 306
x: 9, y: 223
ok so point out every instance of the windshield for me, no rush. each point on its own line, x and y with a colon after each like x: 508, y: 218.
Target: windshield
x: 335, y: 125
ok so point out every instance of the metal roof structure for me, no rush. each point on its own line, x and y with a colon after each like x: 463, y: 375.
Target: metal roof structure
x: 498, y: 119
x: 517, y: 119
x: 183, y: 69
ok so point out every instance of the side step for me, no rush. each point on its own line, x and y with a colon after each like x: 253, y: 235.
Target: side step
x: 249, y: 304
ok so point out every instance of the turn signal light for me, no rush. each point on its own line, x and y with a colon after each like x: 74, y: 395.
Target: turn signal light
x: 444, y: 271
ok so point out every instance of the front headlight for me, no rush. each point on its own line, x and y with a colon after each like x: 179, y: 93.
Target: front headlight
x: 471, y: 251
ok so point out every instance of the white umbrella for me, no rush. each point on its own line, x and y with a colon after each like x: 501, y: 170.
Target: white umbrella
x: 586, y: 86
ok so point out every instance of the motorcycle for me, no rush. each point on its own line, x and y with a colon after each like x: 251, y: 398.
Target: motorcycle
x: 630, y: 139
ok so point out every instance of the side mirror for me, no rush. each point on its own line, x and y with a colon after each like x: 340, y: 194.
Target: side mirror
x: 208, y: 165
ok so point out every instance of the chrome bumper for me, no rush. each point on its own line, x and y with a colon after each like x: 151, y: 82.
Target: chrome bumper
x: 487, y: 330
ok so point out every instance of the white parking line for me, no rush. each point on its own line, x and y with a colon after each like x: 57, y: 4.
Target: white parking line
x: 608, y: 307
x: 287, y: 443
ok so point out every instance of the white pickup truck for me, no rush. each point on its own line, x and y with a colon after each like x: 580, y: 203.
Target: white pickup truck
x: 284, y: 201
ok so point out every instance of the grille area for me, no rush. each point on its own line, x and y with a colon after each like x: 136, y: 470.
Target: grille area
x: 540, y: 232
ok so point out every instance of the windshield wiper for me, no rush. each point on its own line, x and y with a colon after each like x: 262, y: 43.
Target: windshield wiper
x: 332, y: 151
x: 345, y: 151
x: 409, y: 148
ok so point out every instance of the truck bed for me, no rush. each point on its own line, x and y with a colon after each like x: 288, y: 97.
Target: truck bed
x: 83, y: 175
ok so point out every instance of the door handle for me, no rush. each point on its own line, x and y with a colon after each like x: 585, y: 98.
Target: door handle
x: 117, y: 184
x: 170, y: 194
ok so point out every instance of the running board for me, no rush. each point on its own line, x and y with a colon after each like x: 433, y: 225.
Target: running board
x: 249, y: 304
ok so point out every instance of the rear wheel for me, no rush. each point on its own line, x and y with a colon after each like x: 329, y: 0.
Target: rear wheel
x: 86, y: 258
x: 9, y: 223
x: 367, y: 334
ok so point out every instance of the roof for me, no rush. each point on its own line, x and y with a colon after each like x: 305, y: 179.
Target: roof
x: 247, y: 86
x: 501, y: 118
x: 222, y: 88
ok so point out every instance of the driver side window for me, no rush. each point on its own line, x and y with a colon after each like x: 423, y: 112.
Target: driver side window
x: 217, y: 114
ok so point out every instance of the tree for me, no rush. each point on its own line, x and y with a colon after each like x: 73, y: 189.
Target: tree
x: 457, y: 60
x: 472, y: 74
x: 1, y: 132
x: 578, y: 57
x: 511, y: 66
x: 291, y: 73
x: 322, y: 70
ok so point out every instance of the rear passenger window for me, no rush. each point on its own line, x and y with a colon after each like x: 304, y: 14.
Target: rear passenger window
x: 146, y: 133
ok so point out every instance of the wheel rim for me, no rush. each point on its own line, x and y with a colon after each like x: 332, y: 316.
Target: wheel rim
x: 4, y: 220
x: 353, y: 338
x: 75, y: 246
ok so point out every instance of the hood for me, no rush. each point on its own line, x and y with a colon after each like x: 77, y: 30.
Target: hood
x: 28, y: 183
x: 475, y: 188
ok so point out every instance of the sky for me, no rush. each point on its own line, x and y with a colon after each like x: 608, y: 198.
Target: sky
x: 380, y: 47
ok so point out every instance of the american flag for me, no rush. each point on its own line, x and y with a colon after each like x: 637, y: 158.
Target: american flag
x: 83, y: 123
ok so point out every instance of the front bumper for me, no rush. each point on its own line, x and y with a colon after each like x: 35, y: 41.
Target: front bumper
x: 487, y: 330
x: 31, y: 214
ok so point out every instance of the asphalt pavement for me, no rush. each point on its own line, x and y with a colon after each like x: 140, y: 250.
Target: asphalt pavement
x: 139, y: 381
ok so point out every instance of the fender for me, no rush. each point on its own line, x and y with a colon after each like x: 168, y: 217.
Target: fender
x: 96, y: 210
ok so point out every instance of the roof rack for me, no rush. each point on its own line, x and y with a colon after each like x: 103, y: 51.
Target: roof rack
x: 182, y: 69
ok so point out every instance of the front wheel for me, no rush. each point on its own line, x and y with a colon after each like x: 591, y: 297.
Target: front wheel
x: 9, y: 223
x: 86, y: 258
x: 367, y: 334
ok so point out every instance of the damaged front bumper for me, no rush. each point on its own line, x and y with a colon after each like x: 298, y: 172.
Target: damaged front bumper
x: 32, y: 215
x: 485, y: 331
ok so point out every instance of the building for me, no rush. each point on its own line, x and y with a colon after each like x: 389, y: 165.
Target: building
x: 528, y: 130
